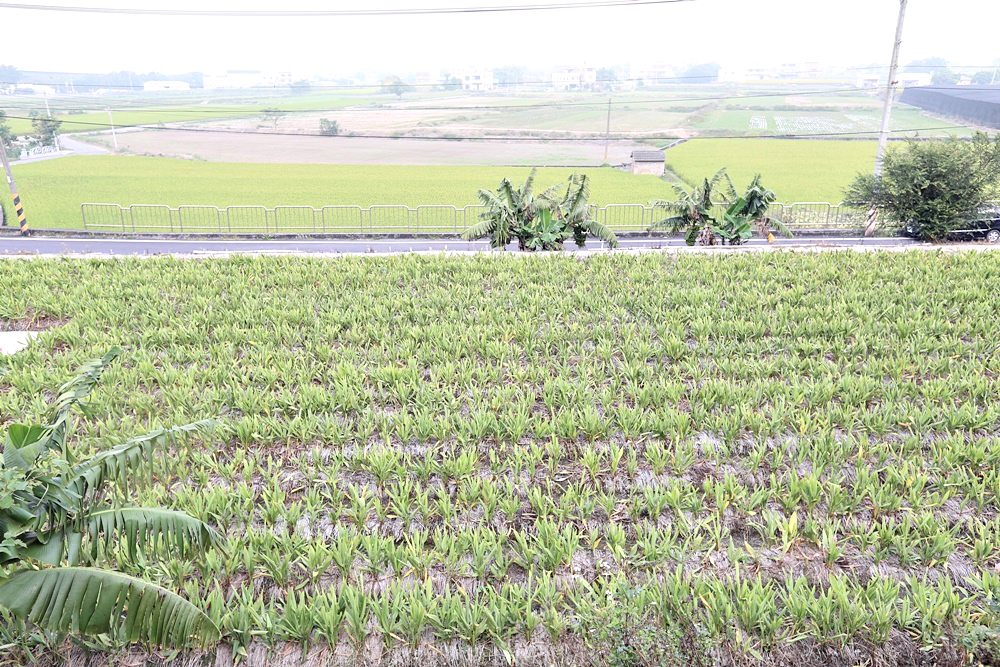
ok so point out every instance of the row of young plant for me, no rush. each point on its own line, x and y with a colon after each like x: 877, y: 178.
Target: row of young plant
x: 490, y: 423
x: 742, y: 612
x: 546, y: 221
x: 728, y: 410
x: 297, y: 564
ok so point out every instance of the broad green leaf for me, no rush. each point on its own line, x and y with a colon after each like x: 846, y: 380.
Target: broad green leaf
x: 93, y: 601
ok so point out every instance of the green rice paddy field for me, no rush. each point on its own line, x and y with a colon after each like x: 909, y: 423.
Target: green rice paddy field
x: 89, y: 114
x: 797, y: 170
x: 787, y: 459
x: 53, y: 190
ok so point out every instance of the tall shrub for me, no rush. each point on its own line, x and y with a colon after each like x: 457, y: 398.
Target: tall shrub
x: 932, y: 187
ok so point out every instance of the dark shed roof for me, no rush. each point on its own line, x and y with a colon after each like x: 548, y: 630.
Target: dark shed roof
x: 648, y: 156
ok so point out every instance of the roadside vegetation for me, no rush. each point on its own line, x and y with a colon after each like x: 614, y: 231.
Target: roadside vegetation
x: 780, y: 459
x: 539, y: 222
x: 713, y: 214
x: 933, y: 188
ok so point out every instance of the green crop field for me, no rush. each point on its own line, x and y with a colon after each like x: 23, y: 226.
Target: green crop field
x: 797, y: 170
x: 99, y: 120
x: 787, y: 459
x: 906, y: 121
x: 53, y: 190
x: 86, y: 115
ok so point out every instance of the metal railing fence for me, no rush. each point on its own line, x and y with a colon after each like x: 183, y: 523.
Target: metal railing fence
x: 396, y: 219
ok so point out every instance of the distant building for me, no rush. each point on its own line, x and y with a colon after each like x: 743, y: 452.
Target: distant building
x: 574, y: 78
x: 905, y: 79
x: 478, y: 80
x: 651, y: 162
x: 745, y: 75
x: 34, y: 89
x: 652, y: 77
x: 242, y: 79
x: 161, y: 86
x: 425, y: 79
x: 808, y: 71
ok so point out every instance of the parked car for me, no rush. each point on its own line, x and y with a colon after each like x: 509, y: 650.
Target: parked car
x: 986, y: 228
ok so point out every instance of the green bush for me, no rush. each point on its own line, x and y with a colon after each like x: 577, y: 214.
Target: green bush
x: 932, y: 187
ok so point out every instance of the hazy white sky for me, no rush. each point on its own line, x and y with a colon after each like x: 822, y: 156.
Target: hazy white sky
x: 738, y: 33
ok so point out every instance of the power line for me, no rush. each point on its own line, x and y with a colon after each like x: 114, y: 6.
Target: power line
x: 136, y: 11
x: 515, y: 138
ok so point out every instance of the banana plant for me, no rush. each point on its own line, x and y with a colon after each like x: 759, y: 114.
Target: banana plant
x: 542, y: 222
x: 545, y: 232
x: 57, y: 523
x: 734, y: 227
x: 748, y: 211
x: 575, y: 213
x: 509, y: 210
x: 693, y: 210
x: 694, y: 214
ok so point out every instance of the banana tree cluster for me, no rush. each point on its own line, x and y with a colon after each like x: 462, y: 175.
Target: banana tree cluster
x: 542, y: 221
x: 695, y: 212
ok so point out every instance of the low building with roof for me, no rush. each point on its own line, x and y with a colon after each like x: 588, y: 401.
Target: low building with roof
x: 650, y: 162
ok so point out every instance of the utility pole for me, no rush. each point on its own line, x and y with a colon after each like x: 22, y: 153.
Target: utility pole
x: 890, y: 94
x: 607, y: 133
x: 114, y: 136
x: 22, y: 221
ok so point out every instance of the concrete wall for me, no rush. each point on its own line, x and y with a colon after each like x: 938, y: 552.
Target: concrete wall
x: 648, y: 168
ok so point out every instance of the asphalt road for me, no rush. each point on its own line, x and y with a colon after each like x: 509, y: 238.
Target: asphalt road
x: 67, y: 146
x: 40, y: 245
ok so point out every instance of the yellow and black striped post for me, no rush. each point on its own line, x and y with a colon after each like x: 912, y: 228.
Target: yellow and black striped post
x: 22, y: 220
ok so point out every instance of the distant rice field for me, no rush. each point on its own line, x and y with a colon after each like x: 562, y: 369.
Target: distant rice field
x: 53, y: 190
x: 797, y: 170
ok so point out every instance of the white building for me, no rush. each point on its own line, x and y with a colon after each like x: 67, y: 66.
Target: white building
x: 877, y: 82
x: 426, y: 79
x: 238, y: 79
x: 651, y: 77
x: 745, y: 75
x: 478, y: 80
x: 574, y: 78
x: 649, y: 162
x: 161, y: 86
x: 35, y: 89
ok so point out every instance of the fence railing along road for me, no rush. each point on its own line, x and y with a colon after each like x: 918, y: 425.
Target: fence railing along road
x: 391, y: 219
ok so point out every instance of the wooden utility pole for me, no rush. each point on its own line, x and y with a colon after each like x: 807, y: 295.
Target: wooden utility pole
x: 22, y: 221
x: 607, y: 133
x: 890, y: 94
